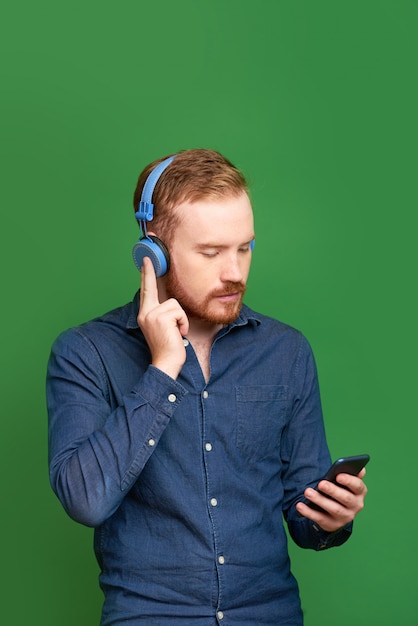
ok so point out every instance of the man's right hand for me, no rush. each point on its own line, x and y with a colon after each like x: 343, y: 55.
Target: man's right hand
x: 164, y: 324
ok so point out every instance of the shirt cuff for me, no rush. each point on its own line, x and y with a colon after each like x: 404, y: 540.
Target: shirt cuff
x: 159, y: 390
x: 329, y: 539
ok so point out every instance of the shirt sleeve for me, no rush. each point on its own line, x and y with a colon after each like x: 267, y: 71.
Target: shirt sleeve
x: 96, y: 450
x: 305, y: 454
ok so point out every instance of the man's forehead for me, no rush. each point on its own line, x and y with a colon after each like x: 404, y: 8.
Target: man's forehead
x: 208, y: 206
x: 216, y: 222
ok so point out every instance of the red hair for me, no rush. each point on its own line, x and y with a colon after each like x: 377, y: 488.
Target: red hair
x: 193, y: 175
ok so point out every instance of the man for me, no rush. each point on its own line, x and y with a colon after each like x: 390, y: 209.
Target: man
x: 184, y: 426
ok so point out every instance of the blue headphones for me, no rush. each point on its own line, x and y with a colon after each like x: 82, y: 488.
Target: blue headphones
x: 149, y: 245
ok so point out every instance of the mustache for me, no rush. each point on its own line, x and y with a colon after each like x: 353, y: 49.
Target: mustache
x: 228, y: 288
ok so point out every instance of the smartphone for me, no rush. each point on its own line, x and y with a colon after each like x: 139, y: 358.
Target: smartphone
x: 346, y: 465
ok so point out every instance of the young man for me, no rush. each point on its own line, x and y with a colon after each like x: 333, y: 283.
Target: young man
x: 184, y: 426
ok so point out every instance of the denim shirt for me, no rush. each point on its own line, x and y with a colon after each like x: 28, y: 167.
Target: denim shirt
x: 187, y: 482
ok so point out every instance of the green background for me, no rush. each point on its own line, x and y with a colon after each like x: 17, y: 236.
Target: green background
x: 316, y: 101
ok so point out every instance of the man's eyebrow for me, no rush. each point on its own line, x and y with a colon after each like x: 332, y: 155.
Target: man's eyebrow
x: 220, y: 246
x: 209, y: 244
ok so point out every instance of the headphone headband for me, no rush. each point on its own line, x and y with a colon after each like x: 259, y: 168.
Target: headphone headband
x: 145, y: 211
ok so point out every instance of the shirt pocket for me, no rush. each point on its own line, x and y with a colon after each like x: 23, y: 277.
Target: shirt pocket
x: 261, y: 417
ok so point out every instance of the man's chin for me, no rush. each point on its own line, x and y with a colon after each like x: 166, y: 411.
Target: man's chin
x: 227, y: 315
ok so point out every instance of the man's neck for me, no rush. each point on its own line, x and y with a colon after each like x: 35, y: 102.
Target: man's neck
x: 202, y: 332
x: 201, y: 335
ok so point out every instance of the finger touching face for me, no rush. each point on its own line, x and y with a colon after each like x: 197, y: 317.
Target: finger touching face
x: 149, y: 288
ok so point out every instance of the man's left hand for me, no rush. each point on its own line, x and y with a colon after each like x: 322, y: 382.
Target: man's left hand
x: 340, y: 507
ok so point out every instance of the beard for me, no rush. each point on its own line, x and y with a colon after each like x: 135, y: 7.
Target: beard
x: 206, y: 309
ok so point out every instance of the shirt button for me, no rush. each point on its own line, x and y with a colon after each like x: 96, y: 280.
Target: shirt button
x: 208, y: 447
x: 220, y: 614
x: 151, y: 442
x: 205, y: 394
x: 214, y: 502
x: 172, y: 397
x: 185, y: 342
x: 221, y: 560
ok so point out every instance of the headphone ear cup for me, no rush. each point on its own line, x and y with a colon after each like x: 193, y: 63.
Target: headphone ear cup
x: 153, y: 248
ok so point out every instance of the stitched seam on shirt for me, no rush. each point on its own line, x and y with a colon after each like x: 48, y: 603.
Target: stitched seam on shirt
x: 298, y: 358
x: 94, y: 350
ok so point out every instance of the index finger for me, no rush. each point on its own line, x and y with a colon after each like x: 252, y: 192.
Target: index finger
x: 148, y: 298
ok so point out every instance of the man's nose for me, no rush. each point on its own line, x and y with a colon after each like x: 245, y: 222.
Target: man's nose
x: 231, y: 270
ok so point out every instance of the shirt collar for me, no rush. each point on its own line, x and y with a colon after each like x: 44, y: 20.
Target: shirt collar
x: 132, y: 322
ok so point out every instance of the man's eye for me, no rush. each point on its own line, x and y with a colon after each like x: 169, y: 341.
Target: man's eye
x: 209, y: 253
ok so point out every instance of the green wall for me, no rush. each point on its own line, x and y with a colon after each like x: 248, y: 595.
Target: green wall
x: 317, y: 102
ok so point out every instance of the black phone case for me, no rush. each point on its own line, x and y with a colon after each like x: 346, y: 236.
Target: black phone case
x: 347, y: 465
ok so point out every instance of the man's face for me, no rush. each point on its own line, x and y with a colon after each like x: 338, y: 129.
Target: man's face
x: 210, y: 258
